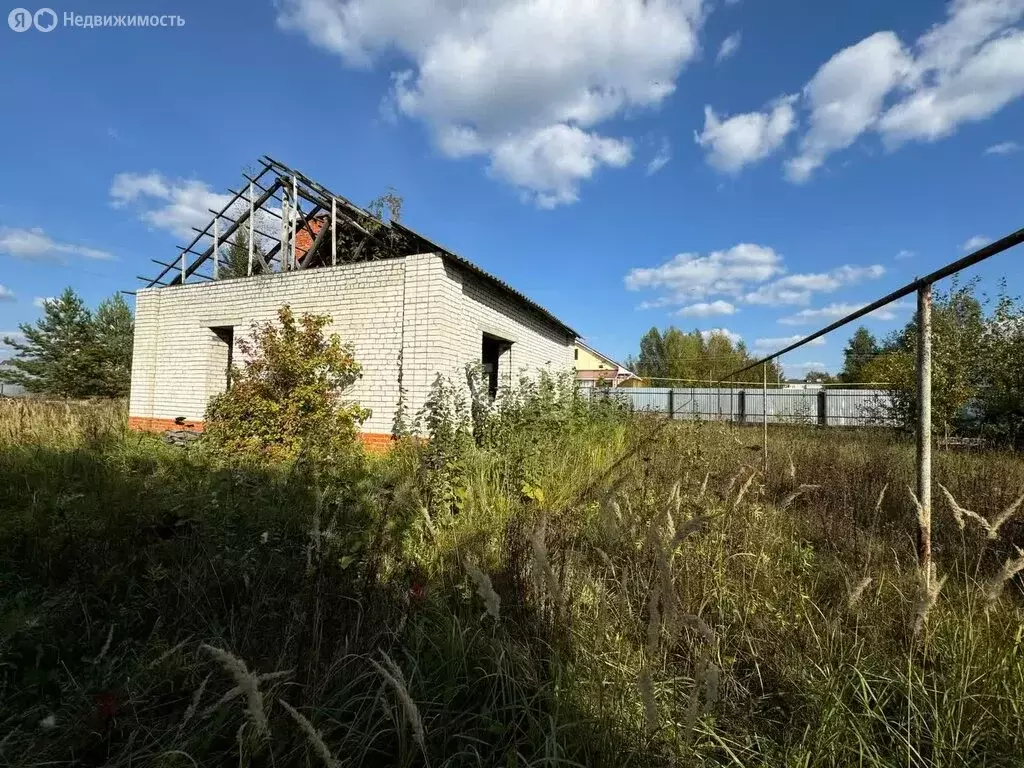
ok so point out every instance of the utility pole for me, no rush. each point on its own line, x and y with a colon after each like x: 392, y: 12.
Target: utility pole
x: 924, y: 428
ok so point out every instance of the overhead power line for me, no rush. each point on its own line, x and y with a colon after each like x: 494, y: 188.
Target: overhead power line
x: 1003, y: 244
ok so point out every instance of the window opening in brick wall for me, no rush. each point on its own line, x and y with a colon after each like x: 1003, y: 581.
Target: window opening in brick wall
x: 494, y: 352
x: 222, y: 348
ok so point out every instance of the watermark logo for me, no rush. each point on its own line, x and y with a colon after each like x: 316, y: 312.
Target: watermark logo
x: 20, y: 20
x: 46, y: 20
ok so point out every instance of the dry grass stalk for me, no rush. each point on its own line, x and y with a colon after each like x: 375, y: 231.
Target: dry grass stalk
x: 693, y: 710
x: 712, y: 680
x: 106, y: 646
x: 313, y: 736
x: 393, y: 675
x: 653, y: 619
x: 881, y: 498
x: 960, y: 512
x: 1002, y: 517
x: 542, y: 565
x: 196, y: 698
x: 247, y: 683
x: 693, y: 525
x: 701, y: 627
x: 804, y: 488
x: 858, y: 592
x: 743, y: 490
x: 646, y: 686
x: 166, y: 654
x: 1010, y: 569
x: 704, y: 486
x: 237, y: 691
x: 484, y: 588
x: 731, y: 484
x: 792, y: 467
x: 930, y: 587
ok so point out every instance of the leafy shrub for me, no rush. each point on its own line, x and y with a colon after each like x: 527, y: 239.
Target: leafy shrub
x: 287, y: 400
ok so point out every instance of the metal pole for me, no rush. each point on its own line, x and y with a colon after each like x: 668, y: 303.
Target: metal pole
x: 334, y: 231
x: 252, y: 234
x: 284, y: 229
x: 216, y: 247
x: 764, y: 417
x: 182, y: 267
x: 924, y: 428
x: 295, y: 201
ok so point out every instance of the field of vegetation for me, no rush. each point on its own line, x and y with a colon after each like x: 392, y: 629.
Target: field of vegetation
x: 575, y: 586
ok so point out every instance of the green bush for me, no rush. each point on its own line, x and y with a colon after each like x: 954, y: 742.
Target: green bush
x: 287, y: 400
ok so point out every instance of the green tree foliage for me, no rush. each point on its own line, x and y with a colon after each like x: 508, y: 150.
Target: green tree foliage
x: 860, y: 350
x: 70, y: 352
x: 674, y: 355
x: 114, y: 329
x: 286, y: 402
x: 819, y: 377
x: 1001, y: 393
x: 976, y: 364
x: 235, y: 259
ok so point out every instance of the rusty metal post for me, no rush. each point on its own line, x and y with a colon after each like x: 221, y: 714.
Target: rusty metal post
x: 764, y: 417
x: 924, y: 427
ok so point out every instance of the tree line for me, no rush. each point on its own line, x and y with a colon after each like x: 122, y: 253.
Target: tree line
x: 72, y: 351
x: 675, y: 355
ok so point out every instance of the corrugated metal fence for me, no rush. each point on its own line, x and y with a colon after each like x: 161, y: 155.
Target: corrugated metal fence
x: 823, y: 407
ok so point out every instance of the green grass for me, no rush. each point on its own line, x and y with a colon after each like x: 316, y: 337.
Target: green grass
x: 742, y: 627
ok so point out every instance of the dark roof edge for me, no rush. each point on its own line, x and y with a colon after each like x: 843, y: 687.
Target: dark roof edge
x: 496, y: 281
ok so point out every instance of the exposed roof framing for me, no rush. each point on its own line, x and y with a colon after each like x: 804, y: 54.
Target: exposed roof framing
x: 274, y: 206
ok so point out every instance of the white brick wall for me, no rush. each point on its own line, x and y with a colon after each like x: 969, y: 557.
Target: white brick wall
x: 175, y: 364
x: 430, y: 309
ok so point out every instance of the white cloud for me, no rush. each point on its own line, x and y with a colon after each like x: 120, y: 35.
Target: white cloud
x: 904, y: 255
x: 836, y: 311
x: 770, y: 345
x: 845, y: 97
x: 963, y: 69
x: 747, y: 273
x: 798, y: 288
x: 692, y: 276
x: 549, y: 163
x: 735, y: 338
x: 729, y: 46
x: 747, y: 138
x: 174, y: 205
x: 6, y: 294
x: 1003, y: 148
x: 707, y: 309
x: 813, y: 365
x: 983, y: 83
x: 35, y: 245
x: 521, y: 82
x: 41, y: 301
x: 660, y: 160
x: 976, y: 242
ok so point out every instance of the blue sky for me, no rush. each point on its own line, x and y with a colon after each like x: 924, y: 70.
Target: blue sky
x: 748, y: 165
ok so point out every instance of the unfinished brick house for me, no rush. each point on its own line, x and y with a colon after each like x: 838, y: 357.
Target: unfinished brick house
x: 411, y: 308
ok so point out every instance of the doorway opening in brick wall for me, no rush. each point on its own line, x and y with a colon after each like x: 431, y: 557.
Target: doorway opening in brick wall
x: 222, y: 349
x: 495, y: 355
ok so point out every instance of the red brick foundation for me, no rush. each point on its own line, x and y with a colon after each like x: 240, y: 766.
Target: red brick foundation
x: 374, y: 442
x: 147, y: 424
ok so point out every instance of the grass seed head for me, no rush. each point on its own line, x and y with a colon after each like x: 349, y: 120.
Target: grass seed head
x: 313, y: 736
x: 646, y: 686
x: 1010, y: 569
x: 484, y: 588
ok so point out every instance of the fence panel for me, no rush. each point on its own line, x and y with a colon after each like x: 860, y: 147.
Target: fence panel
x: 842, y: 407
